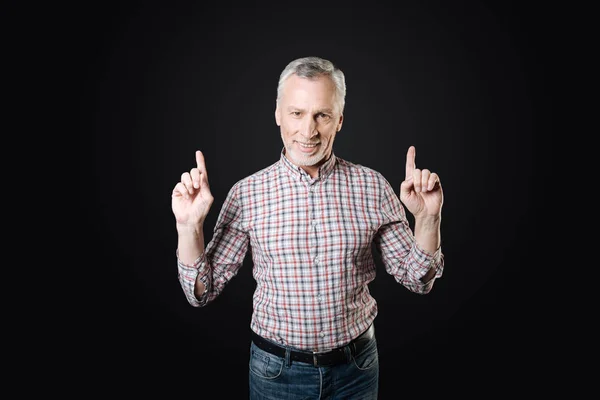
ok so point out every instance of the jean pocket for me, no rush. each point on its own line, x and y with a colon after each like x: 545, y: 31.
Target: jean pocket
x: 263, y: 364
x: 368, y: 358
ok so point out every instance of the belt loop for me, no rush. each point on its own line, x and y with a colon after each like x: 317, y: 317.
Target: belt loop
x: 315, y: 361
x: 348, y: 353
x: 288, y: 360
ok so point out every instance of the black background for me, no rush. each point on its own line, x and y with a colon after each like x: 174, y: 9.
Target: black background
x: 462, y: 81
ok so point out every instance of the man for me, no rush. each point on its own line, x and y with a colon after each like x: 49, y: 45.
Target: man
x: 310, y: 219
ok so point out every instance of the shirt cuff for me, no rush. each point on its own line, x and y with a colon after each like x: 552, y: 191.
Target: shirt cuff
x: 191, y: 273
x: 425, y: 260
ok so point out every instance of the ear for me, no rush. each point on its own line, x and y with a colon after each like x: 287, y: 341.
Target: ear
x: 277, y: 115
x: 341, y: 120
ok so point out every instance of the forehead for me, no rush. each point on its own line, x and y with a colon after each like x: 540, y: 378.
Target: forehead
x: 299, y: 91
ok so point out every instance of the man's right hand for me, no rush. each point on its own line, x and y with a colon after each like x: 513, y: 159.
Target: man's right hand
x: 191, y: 198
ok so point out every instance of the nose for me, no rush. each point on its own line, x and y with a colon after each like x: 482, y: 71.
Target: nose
x: 308, y: 128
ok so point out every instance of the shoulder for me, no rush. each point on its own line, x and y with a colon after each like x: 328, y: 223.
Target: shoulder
x: 259, y: 177
x: 364, y: 179
x: 355, y: 170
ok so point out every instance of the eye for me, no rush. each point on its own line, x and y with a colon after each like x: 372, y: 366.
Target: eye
x: 295, y: 113
x: 323, y: 116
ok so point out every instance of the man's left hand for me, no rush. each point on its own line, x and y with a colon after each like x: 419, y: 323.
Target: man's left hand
x: 421, y: 191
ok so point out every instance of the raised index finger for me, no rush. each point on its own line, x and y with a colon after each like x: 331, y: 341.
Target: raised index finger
x: 200, y: 162
x: 410, y: 161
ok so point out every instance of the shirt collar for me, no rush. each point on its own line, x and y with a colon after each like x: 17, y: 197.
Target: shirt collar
x: 324, y: 170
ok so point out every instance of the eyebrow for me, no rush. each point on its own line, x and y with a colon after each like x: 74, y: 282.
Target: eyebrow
x: 322, y: 110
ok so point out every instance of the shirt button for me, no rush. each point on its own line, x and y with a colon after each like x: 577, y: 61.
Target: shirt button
x: 322, y: 334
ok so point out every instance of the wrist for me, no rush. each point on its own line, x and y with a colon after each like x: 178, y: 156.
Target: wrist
x: 430, y: 222
x: 194, y: 230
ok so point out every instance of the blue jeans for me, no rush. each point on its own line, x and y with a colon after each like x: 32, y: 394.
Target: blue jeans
x: 276, y: 378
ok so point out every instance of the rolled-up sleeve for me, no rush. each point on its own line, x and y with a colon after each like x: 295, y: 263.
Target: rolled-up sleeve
x: 189, y: 275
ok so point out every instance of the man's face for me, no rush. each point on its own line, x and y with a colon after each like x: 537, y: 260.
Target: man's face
x: 309, y: 118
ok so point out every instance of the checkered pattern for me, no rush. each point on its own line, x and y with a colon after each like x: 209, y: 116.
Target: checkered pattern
x: 310, y: 241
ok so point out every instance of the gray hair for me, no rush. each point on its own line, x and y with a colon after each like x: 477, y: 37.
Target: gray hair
x: 313, y: 67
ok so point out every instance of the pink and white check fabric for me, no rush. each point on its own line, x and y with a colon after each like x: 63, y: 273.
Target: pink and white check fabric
x: 310, y: 241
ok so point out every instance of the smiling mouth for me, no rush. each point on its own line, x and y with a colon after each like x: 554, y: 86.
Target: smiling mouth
x: 308, y: 145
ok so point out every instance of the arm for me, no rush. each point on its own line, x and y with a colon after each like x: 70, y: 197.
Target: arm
x: 414, y: 260
x: 428, y: 238
x: 203, y: 274
x: 205, y: 277
x: 190, y: 248
x: 421, y: 193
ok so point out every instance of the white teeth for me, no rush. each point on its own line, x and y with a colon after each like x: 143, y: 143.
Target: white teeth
x: 307, y: 145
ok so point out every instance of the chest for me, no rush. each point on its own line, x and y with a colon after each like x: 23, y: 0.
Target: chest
x: 335, y: 219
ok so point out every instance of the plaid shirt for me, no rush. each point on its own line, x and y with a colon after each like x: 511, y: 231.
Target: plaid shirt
x: 310, y: 241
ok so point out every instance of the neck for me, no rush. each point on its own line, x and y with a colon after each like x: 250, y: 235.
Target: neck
x: 312, y: 170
